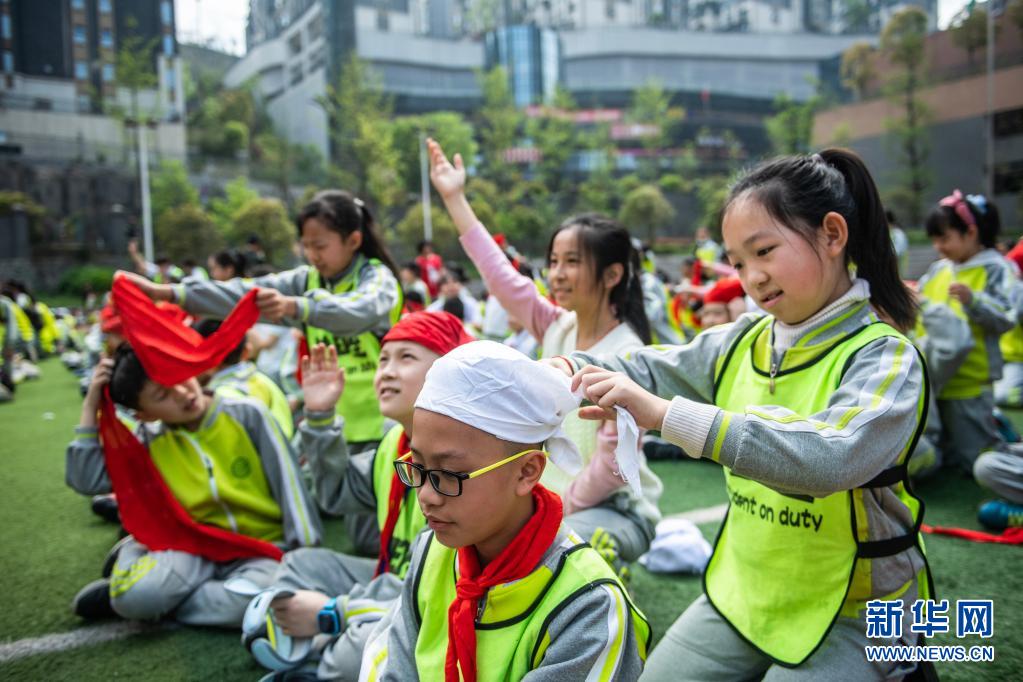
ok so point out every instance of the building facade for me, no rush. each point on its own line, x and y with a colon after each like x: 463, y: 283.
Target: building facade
x: 724, y: 61
x: 59, y: 87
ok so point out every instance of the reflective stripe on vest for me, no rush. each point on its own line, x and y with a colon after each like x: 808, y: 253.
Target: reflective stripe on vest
x: 975, y: 373
x: 217, y: 476
x: 358, y: 356
x: 410, y: 519
x: 785, y: 566
x: 512, y: 631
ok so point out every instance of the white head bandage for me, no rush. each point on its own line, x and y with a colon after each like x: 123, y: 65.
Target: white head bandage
x: 500, y: 391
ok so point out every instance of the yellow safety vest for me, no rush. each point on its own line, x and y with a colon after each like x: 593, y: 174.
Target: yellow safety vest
x: 512, y: 628
x: 358, y: 356
x: 785, y: 567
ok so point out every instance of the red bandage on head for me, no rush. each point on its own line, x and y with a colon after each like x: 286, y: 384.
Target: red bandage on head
x: 724, y: 291
x: 439, y: 331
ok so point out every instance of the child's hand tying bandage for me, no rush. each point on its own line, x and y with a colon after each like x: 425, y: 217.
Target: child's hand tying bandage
x: 606, y: 390
x: 322, y: 380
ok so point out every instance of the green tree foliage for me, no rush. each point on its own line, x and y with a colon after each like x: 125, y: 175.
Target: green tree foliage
x: 170, y: 187
x: 268, y: 220
x: 409, y: 231
x: 135, y: 69
x: 902, y: 41
x: 712, y: 192
x: 237, y: 195
x: 651, y: 106
x: 186, y: 231
x: 452, y: 130
x: 359, y: 116
x: 645, y: 209
x: 790, y: 129
x: 857, y: 69
x: 556, y: 136
x: 500, y: 123
x: 856, y: 15
x: 285, y: 164
x: 969, y: 31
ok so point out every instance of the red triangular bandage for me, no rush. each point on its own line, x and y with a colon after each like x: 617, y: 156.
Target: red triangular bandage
x: 171, y: 353
x: 1010, y: 536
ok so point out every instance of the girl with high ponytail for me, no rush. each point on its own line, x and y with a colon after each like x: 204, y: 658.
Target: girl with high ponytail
x: 812, y: 409
x: 594, y: 277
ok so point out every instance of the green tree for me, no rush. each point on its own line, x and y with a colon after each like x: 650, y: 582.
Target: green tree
x: 237, y: 195
x: 556, y: 136
x: 284, y: 164
x: 268, y: 220
x: 902, y: 41
x: 452, y: 130
x: 857, y: 70
x: 645, y: 208
x: 499, y: 127
x: 651, y: 106
x: 409, y: 231
x: 135, y: 68
x: 790, y: 129
x: 856, y: 16
x: 969, y: 31
x: 712, y: 192
x: 359, y: 116
x: 186, y: 231
x: 170, y: 187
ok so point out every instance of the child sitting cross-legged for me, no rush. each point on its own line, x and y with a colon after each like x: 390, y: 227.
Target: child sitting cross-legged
x: 499, y: 588
x: 208, y: 487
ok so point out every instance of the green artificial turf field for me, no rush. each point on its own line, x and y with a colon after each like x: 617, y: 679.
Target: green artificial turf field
x: 52, y: 545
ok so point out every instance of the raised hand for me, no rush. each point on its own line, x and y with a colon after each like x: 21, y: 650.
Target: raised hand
x: 322, y: 380
x: 448, y: 179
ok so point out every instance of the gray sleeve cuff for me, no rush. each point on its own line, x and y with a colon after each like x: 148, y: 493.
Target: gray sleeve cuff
x: 687, y: 424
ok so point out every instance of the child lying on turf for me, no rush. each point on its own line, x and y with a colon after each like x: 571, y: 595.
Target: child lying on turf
x: 226, y: 463
x: 499, y: 588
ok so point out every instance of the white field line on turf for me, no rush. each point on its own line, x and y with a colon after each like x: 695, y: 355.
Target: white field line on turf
x: 99, y: 634
x: 64, y: 641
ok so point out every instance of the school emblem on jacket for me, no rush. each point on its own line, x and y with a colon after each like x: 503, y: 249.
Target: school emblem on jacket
x: 240, y: 467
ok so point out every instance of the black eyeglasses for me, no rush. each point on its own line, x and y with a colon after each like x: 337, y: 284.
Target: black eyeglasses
x: 447, y: 483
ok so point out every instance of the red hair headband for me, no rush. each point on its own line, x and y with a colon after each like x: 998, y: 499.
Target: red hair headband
x: 957, y: 202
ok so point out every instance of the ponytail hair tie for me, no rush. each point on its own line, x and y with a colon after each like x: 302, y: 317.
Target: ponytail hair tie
x: 957, y: 203
x: 979, y: 201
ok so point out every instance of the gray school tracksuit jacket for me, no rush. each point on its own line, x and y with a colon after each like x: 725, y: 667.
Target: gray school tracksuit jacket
x: 992, y: 308
x: 367, y: 308
x: 86, y: 467
x: 796, y: 457
x: 581, y: 632
x: 342, y: 481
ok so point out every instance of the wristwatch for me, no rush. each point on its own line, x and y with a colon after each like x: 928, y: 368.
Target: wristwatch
x: 328, y: 618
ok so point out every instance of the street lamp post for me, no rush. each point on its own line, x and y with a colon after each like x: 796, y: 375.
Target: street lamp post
x: 143, y: 153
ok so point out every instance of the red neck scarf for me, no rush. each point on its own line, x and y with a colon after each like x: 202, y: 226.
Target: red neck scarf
x: 515, y: 562
x: 394, y: 501
x: 171, y: 353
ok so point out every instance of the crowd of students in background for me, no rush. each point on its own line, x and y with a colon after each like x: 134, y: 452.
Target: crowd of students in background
x: 793, y: 355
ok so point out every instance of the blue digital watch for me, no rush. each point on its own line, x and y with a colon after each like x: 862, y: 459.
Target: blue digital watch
x: 328, y: 618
